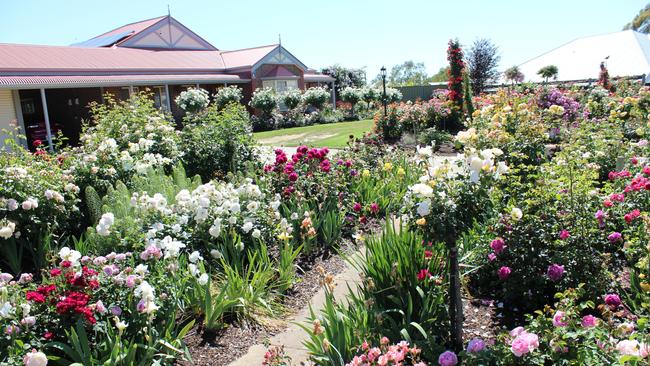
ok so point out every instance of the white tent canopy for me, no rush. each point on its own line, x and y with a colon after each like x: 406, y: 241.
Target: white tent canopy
x: 625, y: 53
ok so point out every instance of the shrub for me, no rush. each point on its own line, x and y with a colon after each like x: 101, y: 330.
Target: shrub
x: 388, y: 127
x: 37, y: 197
x: 292, y: 98
x: 551, y: 227
x: 433, y: 136
x: 393, y: 95
x: 227, y: 95
x: 264, y: 100
x: 193, y: 100
x: 125, y: 139
x: 316, y: 97
x: 370, y: 95
x: 217, y: 142
x: 97, y: 310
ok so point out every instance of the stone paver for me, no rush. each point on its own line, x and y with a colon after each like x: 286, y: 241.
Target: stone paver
x: 293, y: 337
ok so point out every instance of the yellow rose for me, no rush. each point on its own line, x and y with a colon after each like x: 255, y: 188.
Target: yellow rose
x: 645, y: 286
x: 421, y: 221
x: 365, y: 173
x: 388, y: 166
x: 401, y: 172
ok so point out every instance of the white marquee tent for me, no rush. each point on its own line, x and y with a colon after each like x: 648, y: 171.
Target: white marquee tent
x: 626, y: 53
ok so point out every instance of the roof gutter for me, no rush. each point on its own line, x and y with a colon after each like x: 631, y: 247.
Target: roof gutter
x: 108, y: 83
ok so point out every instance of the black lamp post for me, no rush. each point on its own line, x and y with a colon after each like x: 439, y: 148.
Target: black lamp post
x: 384, y: 99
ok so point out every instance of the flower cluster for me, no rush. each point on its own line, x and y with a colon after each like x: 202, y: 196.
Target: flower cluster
x: 193, y: 100
x: 387, y: 354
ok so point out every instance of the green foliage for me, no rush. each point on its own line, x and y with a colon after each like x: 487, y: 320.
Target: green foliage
x: 217, y: 142
x: 337, y: 330
x: 433, y: 136
x: 252, y: 287
x: 93, y: 205
x: 548, y: 72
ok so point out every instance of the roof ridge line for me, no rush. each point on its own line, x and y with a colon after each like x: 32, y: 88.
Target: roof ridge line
x: 250, y: 48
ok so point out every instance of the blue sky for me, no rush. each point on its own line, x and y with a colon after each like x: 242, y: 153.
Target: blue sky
x: 354, y: 33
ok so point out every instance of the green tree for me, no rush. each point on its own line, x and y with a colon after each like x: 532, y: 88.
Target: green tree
x: 548, y: 72
x: 408, y: 73
x: 441, y: 75
x: 514, y: 75
x: 641, y: 22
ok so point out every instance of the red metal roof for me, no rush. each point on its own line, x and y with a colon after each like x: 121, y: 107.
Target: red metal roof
x: 29, y: 58
x: 7, y: 82
x: 246, y: 57
x: 135, y: 28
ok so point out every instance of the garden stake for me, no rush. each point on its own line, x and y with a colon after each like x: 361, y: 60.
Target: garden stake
x: 455, y: 300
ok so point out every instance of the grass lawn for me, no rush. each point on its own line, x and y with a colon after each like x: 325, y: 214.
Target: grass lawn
x: 333, y: 135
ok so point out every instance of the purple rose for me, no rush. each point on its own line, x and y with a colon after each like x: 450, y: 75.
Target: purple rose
x: 612, y: 300
x: 615, y: 237
x: 448, y: 358
x: 475, y: 345
x: 555, y: 272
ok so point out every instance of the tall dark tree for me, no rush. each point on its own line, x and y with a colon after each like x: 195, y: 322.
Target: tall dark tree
x: 641, y: 22
x: 482, y: 61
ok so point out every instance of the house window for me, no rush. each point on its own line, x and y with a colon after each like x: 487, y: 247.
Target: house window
x: 160, y: 97
x: 280, y: 86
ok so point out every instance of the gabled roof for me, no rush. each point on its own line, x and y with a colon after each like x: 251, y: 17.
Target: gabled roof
x: 161, y: 33
x: 108, y: 39
x: 246, y: 57
x: 626, y: 53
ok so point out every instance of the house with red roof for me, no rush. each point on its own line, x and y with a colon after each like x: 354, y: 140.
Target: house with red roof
x: 47, y: 89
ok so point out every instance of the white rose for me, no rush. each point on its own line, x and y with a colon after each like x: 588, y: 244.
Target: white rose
x: 35, y: 358
x: 424, y: 208
x: 12, y: 204
x: 247, y: 227
x: 516, y: 214
x: 203, y: 279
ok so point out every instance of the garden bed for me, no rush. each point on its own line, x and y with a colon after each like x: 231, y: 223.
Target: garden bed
x: 229, y: 344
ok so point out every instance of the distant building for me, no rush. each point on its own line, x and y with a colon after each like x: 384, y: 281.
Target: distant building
x: 47, y: 88
x: 626, y: 54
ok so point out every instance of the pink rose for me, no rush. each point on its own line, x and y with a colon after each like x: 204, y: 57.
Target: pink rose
x: 524, y: 343
x: 589, y: 321
x: 504, y: 273
x: 564, y: 234
x: 498, y: 245
x: 558, y: 319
